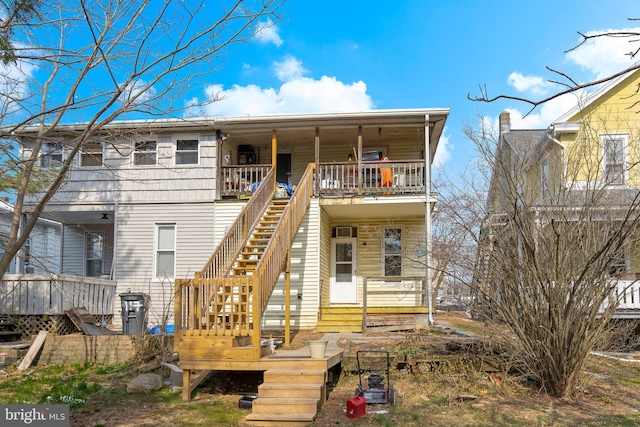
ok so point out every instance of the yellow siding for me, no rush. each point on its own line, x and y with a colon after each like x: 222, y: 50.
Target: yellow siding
x: 614, y: 113
x: 369, y: 261
x: 325, y: 257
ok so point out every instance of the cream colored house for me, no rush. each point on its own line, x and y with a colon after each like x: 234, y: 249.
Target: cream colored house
x: 149, y: 203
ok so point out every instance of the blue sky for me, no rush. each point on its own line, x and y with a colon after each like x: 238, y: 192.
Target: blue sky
x: 361, y: 55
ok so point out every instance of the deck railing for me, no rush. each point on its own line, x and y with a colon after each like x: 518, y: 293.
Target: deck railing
x: 29, y: 294
x: 242, y: 181
x: 382, y: 177
x: 628, y: 295
x: 401, y: 291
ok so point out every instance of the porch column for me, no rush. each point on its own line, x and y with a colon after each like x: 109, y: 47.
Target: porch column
x: 274, y: 155
x: 316, y: 190
x: 428, y: 234
x: 360, y: 180
x: 218, y: 164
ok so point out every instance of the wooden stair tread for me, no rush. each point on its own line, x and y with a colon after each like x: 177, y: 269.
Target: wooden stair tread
x: 281, y: 417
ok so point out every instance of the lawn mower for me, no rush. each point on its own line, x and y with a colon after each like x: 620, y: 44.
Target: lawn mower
x: 375, y: 391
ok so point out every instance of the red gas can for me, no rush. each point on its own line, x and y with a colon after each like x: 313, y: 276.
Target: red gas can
x: 356, y: 407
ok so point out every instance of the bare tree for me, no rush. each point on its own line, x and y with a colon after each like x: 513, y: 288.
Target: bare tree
x: 564, y: 81
x: 96, y: 62
x: 550, y: 257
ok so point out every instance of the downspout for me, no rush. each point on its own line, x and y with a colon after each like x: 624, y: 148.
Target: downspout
x: 428, y: 232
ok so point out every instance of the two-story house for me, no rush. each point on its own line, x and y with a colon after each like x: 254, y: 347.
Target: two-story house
x: 149, y: 202
x: 582, y: 169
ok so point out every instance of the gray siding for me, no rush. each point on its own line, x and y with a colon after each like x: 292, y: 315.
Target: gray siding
x: 135, y: 250
x: 118, y: 180
x: 73, y: 256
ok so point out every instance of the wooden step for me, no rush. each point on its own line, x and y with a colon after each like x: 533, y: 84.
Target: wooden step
x: 294, y: 376
x: 284, y: 405
x: 339, y: 326
x: 280, y: 420
x: 304, y: 390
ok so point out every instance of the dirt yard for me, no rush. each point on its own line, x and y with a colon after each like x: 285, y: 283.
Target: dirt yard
x: 439, y: 379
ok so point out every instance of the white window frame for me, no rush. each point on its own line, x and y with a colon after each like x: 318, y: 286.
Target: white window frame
x: 49, y: 151
x: 88, y: 235
x: 145, y: 153
x: 92, y: 155
x: 157, y: 251
x: 604, y: 139
x: 384, y: 251
x: 177, y: 152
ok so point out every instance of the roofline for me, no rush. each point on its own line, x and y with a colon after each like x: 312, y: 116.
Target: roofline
x: 591, y: 98
x: 288, y: 120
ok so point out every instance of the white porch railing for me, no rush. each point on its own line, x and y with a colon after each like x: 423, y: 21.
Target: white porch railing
x: 628, y: 295
x: 29, y: 294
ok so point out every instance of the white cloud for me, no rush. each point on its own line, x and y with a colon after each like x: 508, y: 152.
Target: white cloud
x: 297, y: 94
x: 443, y: 153
x: 604, y: 56
x: 268, y: 32
x: 534, y: 84
x: 289, y: 69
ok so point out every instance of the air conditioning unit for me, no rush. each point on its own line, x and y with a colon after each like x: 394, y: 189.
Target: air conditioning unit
x: 344, y: 231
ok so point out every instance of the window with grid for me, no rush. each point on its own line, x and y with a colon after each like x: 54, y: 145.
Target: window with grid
x: 187, y: 152
x: 91, y: 154
x: 393, y: 252
x: 94, y: 254
x: 51, y: 155
x: 613, y: 148
x: 165, y: 256
x: 145, y: 153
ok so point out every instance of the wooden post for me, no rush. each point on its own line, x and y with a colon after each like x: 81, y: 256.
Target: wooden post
x: 316, y: 190
x: 219, y: 174
x: 186, y: 385
x: 177, y: 314
x: 287, y: 300
x: 364, y: 304
x: 360, y: 177
x: 274, y: 156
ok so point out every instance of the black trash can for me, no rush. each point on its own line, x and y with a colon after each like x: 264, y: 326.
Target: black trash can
x: 134, y: 313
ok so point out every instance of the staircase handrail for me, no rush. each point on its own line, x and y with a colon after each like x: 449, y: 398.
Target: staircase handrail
x: 270, y: 266
x: 227, y: 251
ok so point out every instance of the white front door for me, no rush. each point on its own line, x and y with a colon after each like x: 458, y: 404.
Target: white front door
x: 344, y: 283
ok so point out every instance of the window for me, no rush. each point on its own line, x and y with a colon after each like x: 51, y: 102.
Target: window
x: 187, y: 152
x: 51, y: 155
x: 393, y: 252
x: 619, y: 265
x: 93, y: 254
x: 544, y: 178
x: 145, y: 153
x: 26, y: 257
x: 91, y: 154
x: 165, y: 256
x: 613, y: 149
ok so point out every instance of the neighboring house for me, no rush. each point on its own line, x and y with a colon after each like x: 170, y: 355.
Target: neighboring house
x: 41, y: 252
x: 592, y: 149
x: 147, y: 204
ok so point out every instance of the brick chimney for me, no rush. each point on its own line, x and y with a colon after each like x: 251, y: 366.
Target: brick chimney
x: 505, y: 122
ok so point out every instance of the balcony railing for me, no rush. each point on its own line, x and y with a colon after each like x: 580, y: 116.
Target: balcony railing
x: 242, y: 181
x: 382, y: 177
x: 30, y: 294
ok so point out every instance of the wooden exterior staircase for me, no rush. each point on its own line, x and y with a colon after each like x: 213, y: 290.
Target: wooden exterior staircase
x: 340, y: 319
x: 288, y: 398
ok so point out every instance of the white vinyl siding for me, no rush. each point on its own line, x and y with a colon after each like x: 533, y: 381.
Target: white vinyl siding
x: 135, y: 267
x: 74, y: 248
